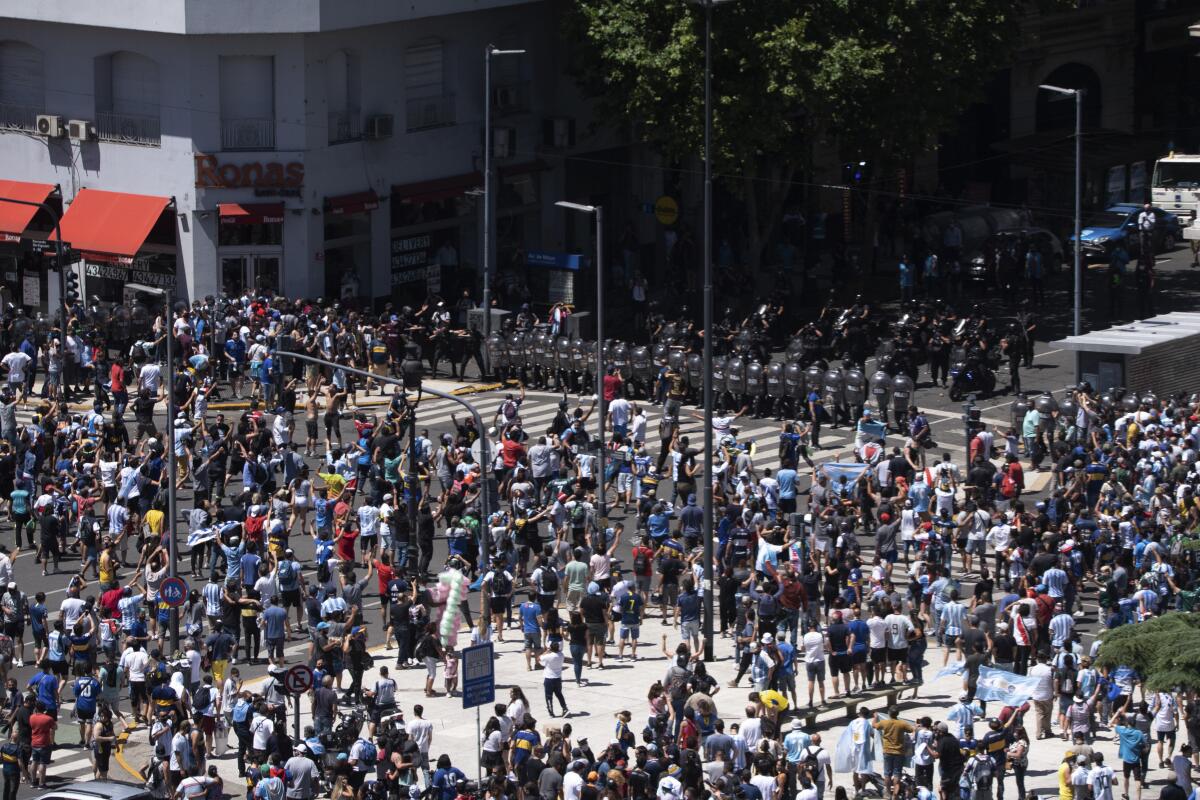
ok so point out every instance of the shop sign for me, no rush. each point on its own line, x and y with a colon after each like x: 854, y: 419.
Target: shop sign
x: 262, y: 176
x: 152, y: 270
x: 9, y: 237
x: 410, y: 262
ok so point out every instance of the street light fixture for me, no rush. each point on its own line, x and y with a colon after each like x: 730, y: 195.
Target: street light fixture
x: 1078, y: 95
x: 707, y: 495
x: 600, y: 368
x: 489, y: 51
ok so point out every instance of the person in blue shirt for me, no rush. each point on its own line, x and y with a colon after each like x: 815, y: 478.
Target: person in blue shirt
x: 37, y: 621
x: 816, y: 411
x: 787, y: 477
x: 87, y: 692
x: 274, y: 622
x: 531, y: 628
x: 235, y: 361
x: 445, y: 779
x: 45, y: 686
x: 858, y: 654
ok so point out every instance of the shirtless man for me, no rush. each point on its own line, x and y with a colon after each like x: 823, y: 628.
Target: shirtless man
x: 334, y: 398
x: 312, y: 407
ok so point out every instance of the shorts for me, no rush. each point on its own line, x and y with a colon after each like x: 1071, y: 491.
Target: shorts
x: 670, y: 594
x: 311, y: 426
x: 206, y: 723
x: 1134, y: 767
x: 367, y: 543
x: 85, y: 716
x: 533, y: 641
x: 839, y: 663
x: 275, y: 648
x: 1166, y: 736
x: 624, y: 482
x: 137, y: 692
x: 60, y: 668
x: 890, y: 556
x: 643, y: 584
x: 893, y: 765
x: 858, y: 657
x: 15, y: 629
x: 950, y: 640
x: 977, y: 547
x: 879, y: 655
x: 500, y: 605
x: 291, y: 598
x: 379, y: 712
x: 631, y: 632
x: 40, y: 638
x: 816, y: 671
x: 431, y: 665
x: 897, y: 655
x: 40, y: 755
x: 690, y: 629
x: 356, y: 778
x: 597, y: 632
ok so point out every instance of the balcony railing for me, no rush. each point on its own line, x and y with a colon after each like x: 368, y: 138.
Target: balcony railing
x: 247, y: 134
x: 344, y: 126
x: 423, y: 113
x: 128, y: 129
x: 18, y: 118
x: 510, y: 98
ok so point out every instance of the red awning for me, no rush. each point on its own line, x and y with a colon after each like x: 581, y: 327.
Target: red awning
x: 250, y: 213
x: 355, y: 203
x: 438, y: 189
x: 15, y: 217
x: 111, y: 226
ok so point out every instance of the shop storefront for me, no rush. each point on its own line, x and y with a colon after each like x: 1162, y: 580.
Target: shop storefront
x: 24, y: 229
x: 348, y: 246
x: 122, y: 239
x: 435, y: 232
x: 250, y: 246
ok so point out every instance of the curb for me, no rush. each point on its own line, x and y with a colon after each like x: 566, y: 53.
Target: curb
x: 462, y: 391
x: 118, y: 753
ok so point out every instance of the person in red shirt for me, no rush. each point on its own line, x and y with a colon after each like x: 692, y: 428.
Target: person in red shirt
x: 120, y: 393
x: 344, y: 542
x: 643, y: 567
x: 383, y: 568
x: 41, y: 726
x: 612, y: 384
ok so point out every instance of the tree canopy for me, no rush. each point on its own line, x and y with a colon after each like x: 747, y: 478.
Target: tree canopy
x: 1164, y: 650
x: 883, y: 76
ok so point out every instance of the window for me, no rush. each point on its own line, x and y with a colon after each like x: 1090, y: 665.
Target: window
x: 127, y: 99
x: 343, y: 92
x: 428, y: 105
x: 247, y: 102
x: 22, y: 86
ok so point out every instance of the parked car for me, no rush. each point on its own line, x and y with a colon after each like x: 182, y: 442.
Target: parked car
x: 97, y: 790
x: 1102, y: 230
x: 981, y: 264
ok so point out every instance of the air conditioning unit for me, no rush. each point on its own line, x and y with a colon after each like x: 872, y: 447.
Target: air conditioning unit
x: 50, y: 125
x: 558, y: 132
x: 379, y: 126
x: 80, y: 130
x: 504, y: 142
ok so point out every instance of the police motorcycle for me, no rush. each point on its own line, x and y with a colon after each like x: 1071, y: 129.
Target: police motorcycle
x: 971, y: 375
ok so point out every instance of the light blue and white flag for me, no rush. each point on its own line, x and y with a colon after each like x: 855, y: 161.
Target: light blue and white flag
x: 200, y: 536
x: 1004, y: 687
x: 957, y: 668
x: 836, y: 471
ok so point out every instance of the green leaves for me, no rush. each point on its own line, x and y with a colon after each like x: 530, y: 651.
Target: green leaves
x: 1164, y: 650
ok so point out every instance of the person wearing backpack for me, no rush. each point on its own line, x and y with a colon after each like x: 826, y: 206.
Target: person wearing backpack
x: 363, y: 757
x: 1066, y: 667
x: 498, y: 584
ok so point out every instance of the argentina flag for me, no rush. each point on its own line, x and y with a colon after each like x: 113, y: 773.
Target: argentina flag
x: 1004, y: 687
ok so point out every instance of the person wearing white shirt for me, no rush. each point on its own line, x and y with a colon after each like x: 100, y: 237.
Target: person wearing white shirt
x: 552, y: 669
x: 261, y: 728
x: 572, y: 785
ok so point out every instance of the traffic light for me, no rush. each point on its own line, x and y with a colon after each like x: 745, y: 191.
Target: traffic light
x: 411, y: 367
x: 70, y: 284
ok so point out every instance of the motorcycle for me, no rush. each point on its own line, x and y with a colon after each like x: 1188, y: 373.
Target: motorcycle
x: 965, y: 380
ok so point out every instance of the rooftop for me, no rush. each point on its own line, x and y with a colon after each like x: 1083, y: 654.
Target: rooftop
x: 1136, y: 337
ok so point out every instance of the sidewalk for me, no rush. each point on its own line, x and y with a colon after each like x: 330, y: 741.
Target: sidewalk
x: 623, y: 685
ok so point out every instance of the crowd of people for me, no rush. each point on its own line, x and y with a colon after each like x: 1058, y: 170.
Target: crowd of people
x: 830, y: 586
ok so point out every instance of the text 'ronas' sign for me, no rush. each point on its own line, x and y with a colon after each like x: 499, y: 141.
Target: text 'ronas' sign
x: 212, y: 173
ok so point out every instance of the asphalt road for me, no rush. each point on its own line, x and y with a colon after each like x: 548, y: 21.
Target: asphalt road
x: 1052, y: 371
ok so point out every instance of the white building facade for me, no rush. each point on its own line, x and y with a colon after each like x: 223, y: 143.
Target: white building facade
x: 315, y: 148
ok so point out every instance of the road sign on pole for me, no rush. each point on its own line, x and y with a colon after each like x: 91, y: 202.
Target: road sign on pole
x: 478, y: 676
x: 173, y: 591
x: 298, y: 679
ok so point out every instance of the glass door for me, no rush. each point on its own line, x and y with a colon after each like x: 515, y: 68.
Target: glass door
x: 233, y: 275
x: 265, y: 273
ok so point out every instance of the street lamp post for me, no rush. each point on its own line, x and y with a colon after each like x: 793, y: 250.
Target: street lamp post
x: 1078, y: 95
x: 488, y: 242
x: 600, y: 366
x: 706, y: 492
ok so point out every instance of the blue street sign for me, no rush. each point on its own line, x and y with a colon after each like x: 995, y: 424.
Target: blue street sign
x: 173, y: 591
x: 553, y: 260
x: 478, y: 676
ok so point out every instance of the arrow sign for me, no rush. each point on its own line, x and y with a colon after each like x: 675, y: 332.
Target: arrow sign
x: 298, y: 679
x: 173, y: 592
